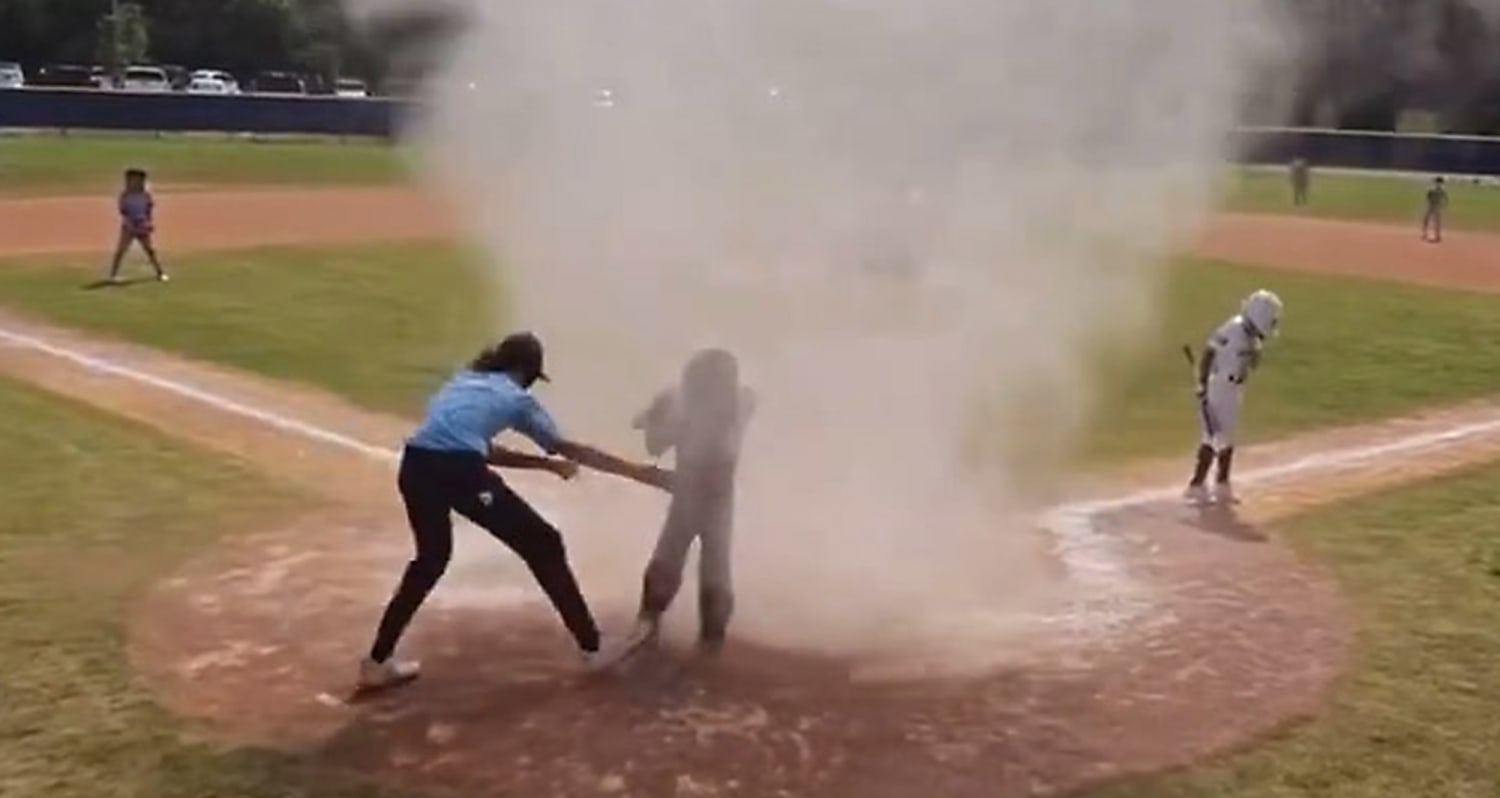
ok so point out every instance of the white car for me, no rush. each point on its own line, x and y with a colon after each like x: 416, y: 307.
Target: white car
x: 208, y: 86
x: 350, y: 87
x: 144, y: 78
x: 11, y: 76
x: 231, y: 86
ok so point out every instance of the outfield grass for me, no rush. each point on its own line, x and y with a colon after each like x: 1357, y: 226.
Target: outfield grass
x: 32, y: 165
x: 377, y: 324
x: 382, y: 325
x: 1416, y: 715
x: 92, y: 511
x: 1379, y: 198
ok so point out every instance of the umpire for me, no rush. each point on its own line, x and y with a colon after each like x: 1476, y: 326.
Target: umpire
x: 445, y: 467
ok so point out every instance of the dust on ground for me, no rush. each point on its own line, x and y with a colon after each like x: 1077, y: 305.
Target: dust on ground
x: 259, y: 636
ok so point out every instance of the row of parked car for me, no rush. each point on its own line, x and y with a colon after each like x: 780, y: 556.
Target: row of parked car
x: 144, y: 78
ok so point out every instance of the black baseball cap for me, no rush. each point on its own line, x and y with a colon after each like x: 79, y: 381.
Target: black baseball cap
x: 523, y: 351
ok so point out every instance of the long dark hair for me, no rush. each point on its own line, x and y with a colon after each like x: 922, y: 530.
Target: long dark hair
x: 490, y: 359
x: 519, y: 354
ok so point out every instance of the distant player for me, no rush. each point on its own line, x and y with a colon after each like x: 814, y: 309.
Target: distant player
x: 704, y: 419
x: 1229, y: 356
x: 1301, y: 178
x: 446, y: 468
x: 137, y: 211
x: 1437, y: 205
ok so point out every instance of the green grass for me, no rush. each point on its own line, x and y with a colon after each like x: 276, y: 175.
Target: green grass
x: 1366, y: 197
x: 378, y: 324
x: 381, y: 325
x: 1416, y: 717
x: 34, y: 165
x: 92, y: 511
x: 1350, y: 350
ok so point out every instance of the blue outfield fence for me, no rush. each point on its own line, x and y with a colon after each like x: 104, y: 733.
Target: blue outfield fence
x: 84, y: 109
x: 1393, y: 152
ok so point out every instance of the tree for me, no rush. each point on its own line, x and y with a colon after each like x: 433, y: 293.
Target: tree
x: 124, y: 38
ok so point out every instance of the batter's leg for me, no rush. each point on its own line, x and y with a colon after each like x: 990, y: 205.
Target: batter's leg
x: 715, y: 580
x: 1224, y: 404
x: 663, y: 577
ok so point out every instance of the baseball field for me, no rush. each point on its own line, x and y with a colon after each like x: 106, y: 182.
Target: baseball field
x: 198, y: 528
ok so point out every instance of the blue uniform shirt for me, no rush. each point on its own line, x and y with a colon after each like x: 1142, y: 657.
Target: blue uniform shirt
x: 473, y: 407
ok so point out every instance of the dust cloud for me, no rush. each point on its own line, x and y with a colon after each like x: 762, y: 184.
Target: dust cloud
x: 918, y: 222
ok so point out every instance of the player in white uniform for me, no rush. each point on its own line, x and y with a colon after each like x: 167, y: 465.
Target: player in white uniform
x: 1229, y: 356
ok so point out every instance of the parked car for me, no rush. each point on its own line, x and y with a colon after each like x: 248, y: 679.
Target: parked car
x: 208, y: 86
x: 279, y: 83
x: 220, y: 75
x: 351, y: 87
x: 11, y: 76
x: 64, y: 76
x: 145, y: 78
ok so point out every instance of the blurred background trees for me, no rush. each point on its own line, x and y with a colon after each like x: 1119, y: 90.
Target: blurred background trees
x: 1361, y: 64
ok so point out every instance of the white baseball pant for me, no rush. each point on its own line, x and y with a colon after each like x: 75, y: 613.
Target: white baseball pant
x: 1219, y: 412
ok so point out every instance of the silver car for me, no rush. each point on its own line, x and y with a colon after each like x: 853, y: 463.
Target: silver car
x: 146, y: 78
x: 11, y: 76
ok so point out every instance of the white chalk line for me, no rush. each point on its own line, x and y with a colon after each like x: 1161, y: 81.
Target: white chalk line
x: 1110, y: 597
x: 178, y: 388
x: 267, y: 417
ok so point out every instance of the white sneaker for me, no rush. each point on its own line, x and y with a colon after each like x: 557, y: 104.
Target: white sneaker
x: 379, y: 675
x: 1196, y: 494
x: 613, y: 652
x: 164, y: 277
x: 1224, y: 494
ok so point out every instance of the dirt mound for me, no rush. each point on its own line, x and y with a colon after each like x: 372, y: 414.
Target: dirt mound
x: 260, y: 639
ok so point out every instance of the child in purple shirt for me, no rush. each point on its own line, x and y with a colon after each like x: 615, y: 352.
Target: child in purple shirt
x: 136, y: 224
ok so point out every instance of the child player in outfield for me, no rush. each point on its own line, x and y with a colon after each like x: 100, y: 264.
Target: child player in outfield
x: 704, y: 419
x: 137, y: 209
x: 1230, y: 355
x: 1437, y: 205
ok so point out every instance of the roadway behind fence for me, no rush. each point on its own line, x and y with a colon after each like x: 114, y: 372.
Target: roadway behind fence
x: 82, y: 109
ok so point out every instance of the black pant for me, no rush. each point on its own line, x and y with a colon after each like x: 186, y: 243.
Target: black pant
x: 433, y: 485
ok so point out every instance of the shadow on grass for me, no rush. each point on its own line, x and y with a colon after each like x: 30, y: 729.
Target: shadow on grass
x: 125, y: 282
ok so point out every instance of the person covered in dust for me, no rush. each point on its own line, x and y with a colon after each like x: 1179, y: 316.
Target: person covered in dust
x: 704, y: 418
x: 1437, y: 206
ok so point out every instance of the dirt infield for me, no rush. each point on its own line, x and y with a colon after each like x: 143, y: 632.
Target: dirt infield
x: 258, y: 638
x: 203, y: 219
x: 200, y: 220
